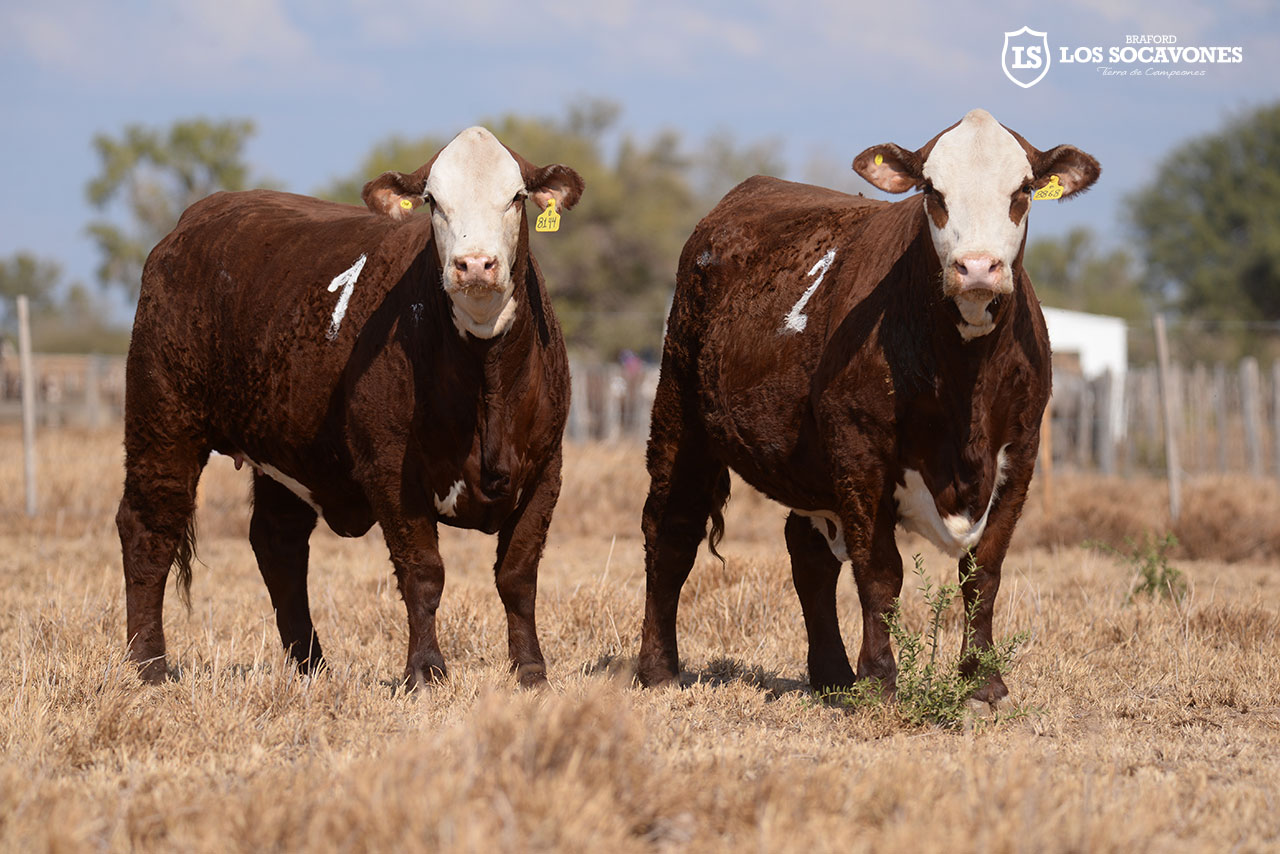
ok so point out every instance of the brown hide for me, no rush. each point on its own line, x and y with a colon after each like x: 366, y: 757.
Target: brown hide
x: 829, y: 418
x: 235, y: 351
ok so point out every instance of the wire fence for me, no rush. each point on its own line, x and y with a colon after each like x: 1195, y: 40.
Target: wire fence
x: 1226, y: 417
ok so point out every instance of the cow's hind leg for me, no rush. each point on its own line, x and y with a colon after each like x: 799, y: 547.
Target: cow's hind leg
x: 279, y: 532
x: 815, y: 570
x: 154, y: 521
x: 520, y: 544
x: 687, y: 485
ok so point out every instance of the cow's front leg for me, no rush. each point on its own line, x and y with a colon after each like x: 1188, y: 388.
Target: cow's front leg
x: 877, y: 570
x: 415, y: 552
x: 520, y: 543
x: 982, y: 585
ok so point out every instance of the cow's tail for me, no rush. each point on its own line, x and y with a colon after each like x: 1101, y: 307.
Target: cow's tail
x: 182, y: 561
x: 719, y: 497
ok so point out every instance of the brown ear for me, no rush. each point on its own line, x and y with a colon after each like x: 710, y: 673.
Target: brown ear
x: 557, y: 182
x: 890, y: 167
x: 395, y: 194
x: 545, y: 183
x: 1076, y: 170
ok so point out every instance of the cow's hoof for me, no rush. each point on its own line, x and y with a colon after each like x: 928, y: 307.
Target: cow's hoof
x: 650, y: 676
x: 827, y: 679
x: 153, y: 671
x: 532, y: 675
x: 992, y: 692
x: 424, y: 676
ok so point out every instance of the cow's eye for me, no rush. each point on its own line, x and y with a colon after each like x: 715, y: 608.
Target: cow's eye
x: 934, y: 194
x: 1027, y: 188
x: 520, y: 197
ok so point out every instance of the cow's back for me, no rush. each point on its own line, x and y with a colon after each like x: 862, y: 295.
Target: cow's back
x: 237, y: 300
x: 764, y: 283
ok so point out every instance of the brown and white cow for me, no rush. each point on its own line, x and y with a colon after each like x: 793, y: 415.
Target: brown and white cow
x: 371, y: 367
x: 866, y: 364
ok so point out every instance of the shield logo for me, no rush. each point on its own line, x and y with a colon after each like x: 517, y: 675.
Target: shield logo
x: 1025, y: 58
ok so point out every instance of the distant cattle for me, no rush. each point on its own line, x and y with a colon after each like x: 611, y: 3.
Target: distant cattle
x: 370, y: 367
x: 866, y: 364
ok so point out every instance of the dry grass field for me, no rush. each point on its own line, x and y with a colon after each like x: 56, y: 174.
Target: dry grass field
x: 1144, y: 726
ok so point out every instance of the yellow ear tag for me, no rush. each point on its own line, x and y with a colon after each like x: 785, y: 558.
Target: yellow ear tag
x: 1052, y: 190
x: 879, y: 159
x: 548, y: 220
x: 406, y: 204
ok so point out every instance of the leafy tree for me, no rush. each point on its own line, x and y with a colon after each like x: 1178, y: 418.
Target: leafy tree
x: 25, y: 275
x: 1072, y: 272
x: 63, y: 319
x: 611, y: 267
x: 1209, y: 223
x: 155, y: 175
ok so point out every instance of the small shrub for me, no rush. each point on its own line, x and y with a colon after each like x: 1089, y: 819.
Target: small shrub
x: 1149, y: 561
x: 930, y: 689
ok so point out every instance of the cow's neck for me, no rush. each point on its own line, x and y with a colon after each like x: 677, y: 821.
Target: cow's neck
x: 506, y: 363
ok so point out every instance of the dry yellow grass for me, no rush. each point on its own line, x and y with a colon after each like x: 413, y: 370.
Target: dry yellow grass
x: 1156, y: 726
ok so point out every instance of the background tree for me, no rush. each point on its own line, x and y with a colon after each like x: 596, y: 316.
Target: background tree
x: 24, y: 274
x: 64, y: 319
x: 1073, y: 272
x: 154, y: 175
x: 1209, y: 224
x: 611, y: 267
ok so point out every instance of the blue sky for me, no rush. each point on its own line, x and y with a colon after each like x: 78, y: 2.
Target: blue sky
x: 324, y: 80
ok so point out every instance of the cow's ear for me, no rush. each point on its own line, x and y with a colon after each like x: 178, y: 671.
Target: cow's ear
x: 890, y: 167
x: 395, y: 194
x: 557, y: 182
x: 1076, y: 170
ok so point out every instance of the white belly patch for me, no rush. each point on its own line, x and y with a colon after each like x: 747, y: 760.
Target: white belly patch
x: 825, y: 523
x: 956, y: 533
x: 284, y: 480
x: 448, y: 505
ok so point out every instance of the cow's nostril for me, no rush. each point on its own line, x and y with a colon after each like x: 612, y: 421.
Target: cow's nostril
x: 995, y: 265
x: 961, y: 268
x: 489, y: 264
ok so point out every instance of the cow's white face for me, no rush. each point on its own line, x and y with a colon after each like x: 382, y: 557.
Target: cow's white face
x: 978, y: 178
x: 476, y: 190
x: 476, y: 194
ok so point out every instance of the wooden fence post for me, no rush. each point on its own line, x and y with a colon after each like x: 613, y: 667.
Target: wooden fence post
x: 1220, y: 413
x: 1104, y: 388
x: 1250, y: 392
x: 28, y: 404
x: 1170, y: 434
x: 93, y: 392
x: 1275, y: 415
x: 1046, y: 456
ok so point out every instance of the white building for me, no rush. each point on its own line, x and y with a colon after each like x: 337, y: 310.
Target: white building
x: 1101, y: 343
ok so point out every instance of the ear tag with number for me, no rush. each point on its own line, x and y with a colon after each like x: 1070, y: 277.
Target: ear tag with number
x: 548, y: 220
x: 1052, y: 190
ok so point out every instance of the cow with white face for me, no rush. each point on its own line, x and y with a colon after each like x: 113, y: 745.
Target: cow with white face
x: 476, y: 188
x: 872, y: 366
x: 373, y: 366
x: 978, y: 178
